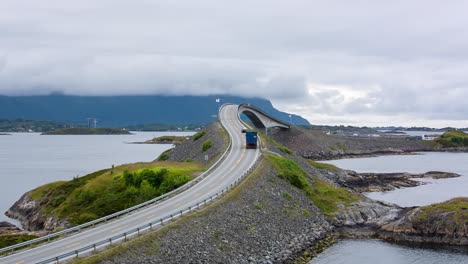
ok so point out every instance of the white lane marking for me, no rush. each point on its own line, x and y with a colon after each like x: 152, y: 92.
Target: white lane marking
x: 20, y: 262
x: 116, y: 229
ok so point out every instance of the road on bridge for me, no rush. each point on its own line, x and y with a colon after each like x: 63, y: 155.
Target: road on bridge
x: 238, y: 161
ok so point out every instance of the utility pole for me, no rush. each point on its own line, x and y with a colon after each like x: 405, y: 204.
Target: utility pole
x: 217, y: 104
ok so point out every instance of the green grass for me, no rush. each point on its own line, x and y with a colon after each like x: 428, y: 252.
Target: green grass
x: 453, y: 138
x: 287, y: 196
x: 101, y: 193
x: 198, y: 135
x: 290, y: 170
x: 285, y: 150
x: 6, y: 241
x: 324, y: 195
x: 327, y: 197
x: 207, y: 145
x: 164, y: 156
x: 281, y: 147
x: 457, y: 207
x: 323, y: 166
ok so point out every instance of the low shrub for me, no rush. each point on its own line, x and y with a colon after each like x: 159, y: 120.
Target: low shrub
x: 207, y: 145
x: 198, y: 135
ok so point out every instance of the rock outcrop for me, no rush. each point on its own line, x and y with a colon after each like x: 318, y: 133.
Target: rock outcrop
x: 379, y: 182
x: 7, y: 229
x: 444, y: 223
x: 30, y: 214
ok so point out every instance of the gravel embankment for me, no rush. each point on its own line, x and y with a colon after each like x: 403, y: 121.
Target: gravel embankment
x: 192, y: 150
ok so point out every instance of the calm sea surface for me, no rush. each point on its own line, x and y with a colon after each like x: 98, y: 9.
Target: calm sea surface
x: 28, y: 160
x: 432, y: 192
x: 375, y: 251
x: 352, y: 251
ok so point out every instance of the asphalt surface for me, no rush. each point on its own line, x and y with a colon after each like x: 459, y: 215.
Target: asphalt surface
x: 238, y: 160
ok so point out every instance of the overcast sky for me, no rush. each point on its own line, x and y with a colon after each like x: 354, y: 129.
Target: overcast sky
x: 333, y: 62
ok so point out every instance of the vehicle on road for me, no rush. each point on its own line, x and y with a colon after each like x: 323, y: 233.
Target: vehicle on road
x: 251, y: 139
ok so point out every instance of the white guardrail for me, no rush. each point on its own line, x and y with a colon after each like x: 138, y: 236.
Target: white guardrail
x: 120, y: 213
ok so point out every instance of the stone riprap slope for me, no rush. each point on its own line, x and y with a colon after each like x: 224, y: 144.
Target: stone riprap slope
x: 192, y: 148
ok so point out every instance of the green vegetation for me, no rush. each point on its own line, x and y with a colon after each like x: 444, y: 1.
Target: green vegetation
x: 327, y: 196
x: 87, y: 131
x: 454, y: 211
x: 280, y: 147
x: 285, y: 150
x: 453, y: 138
x: 164, y: 156
x: 290, y: 170
x: 207, y: 145
x: 287, y: 196
x: 20, y: 125
x: 198, y: 135
x: 324, y: 195
x: 167, y: 140
x: 101, y: 193
x: 258, y: 205
x: 323, y: 166
x: 340, y: 146
x: 9, y: 240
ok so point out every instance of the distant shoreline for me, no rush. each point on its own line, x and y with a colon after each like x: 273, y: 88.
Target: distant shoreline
x: 87, y: 131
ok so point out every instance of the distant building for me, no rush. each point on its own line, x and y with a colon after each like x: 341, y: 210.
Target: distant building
x: 429, y: 137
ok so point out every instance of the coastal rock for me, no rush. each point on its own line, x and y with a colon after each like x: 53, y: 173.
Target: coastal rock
x: 366, y: 212
x: 29, y: 213
x: 446, y: 224
x: 7, y: 228
x: 379, y: 182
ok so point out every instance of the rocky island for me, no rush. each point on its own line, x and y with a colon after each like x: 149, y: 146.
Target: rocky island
x: 165, y: 140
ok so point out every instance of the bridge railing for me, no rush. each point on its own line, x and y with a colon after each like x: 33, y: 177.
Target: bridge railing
x: 151, y: 225
x: 120, y: 213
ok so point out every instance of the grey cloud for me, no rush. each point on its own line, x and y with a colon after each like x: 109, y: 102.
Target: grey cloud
x: 385, y: 58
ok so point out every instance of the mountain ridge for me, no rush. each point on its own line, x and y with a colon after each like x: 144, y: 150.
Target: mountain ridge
x: 117, y: 111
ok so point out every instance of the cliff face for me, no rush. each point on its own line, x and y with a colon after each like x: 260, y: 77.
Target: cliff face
x: 30, y: 214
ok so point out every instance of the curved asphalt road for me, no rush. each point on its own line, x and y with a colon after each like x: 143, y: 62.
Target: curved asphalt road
x: 238, y: 160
